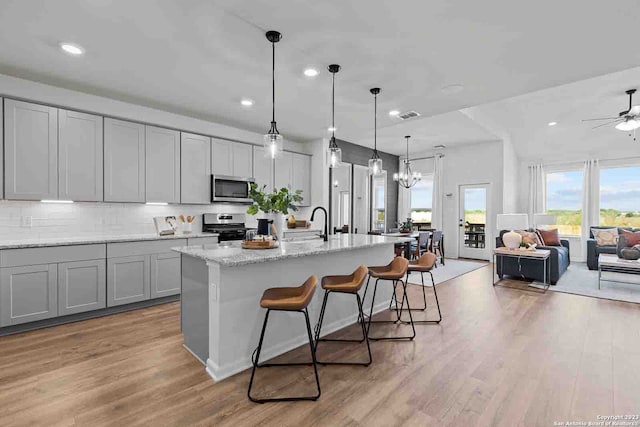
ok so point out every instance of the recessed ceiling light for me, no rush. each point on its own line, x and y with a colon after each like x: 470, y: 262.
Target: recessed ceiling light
x: 332, y: 129
x: 246, y: 102
x: 552, y: 123
x: 452, y: 89
x: 310, y: 72
x: 72, y: 49
x: 394, y: 113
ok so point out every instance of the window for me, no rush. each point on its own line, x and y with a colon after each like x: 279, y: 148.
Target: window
x: 564, y: 199
x: 619, y: 195
x: 421, y: 199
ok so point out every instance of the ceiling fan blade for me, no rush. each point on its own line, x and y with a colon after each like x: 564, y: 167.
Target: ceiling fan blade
x: 601, y: 118
x: 634, y: 111
x: 608, y: 123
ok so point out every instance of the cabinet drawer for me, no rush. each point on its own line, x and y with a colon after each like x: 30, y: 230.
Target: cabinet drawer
x: 50, y: 255
x: 143, y: 248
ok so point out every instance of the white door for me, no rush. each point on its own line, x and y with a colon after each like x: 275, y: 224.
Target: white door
x: 474, y: 225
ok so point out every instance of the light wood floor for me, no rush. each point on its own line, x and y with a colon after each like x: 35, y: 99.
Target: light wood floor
x: 500, y: 357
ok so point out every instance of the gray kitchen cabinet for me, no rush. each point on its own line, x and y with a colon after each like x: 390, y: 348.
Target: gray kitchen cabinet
x: 195, y: 169
x: 284, y: 171
x: 262, y: 168
x: 162, y: 167
x: 231, y: 158
x: 31, y: 151
x: 301, y: 177
x: 1, y: 149
x: 165, y: 274
x: 80, y: 150
x: 81, y: 286
x: 127, y: 280
x: 124, y: 161
x: 28, y: 293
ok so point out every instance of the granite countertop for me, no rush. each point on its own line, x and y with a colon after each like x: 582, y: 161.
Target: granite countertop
x: 93, y: 239
x: 231, y: 254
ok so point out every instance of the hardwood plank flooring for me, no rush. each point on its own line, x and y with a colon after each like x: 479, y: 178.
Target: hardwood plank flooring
x: 500, y: 357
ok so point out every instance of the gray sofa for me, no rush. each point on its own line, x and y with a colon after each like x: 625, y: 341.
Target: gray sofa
x: 594, y: 251
x: 559, y: 261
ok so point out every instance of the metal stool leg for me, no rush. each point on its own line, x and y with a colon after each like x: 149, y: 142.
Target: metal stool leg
x: 424, y: 296
x: 388, y: 321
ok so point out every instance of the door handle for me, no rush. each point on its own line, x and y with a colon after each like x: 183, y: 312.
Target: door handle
x: 461, y: 224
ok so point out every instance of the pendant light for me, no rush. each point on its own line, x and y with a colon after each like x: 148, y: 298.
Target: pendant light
x: 273, y: 139
x: 334, y: 154
x: 407, y: 178
x: 375, y: 162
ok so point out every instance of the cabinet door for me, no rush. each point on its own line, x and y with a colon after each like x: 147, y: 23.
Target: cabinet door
x: 2, y: 149
x: 195, y: 167
x: 242, y: 159
x: 165, y: 274
x: 31, y: 151
x: 301, y: 175
x: 80, y: 155
x: 124, y: 161
x: 162, y: 176
x: 283, y: 170
x: 81, y: 286
x: 127, y: 280
x: 28, y: 293
x: 262, y: 168
x: 221, y: 157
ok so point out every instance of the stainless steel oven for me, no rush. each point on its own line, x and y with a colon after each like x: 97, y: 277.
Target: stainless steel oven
x: 230, y: 189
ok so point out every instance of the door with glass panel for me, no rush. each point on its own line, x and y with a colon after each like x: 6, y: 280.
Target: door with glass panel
x: 474, y: 224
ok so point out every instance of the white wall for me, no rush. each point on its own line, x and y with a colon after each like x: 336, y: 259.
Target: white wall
x: 82, y: 218
x: 512, y: 175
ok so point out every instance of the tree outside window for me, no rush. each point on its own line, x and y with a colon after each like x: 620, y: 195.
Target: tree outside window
x: 564, y: 199
x: 421, y: 200
x: 620, y: 196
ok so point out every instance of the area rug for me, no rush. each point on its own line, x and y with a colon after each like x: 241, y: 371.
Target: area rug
x: 579, y: 280
x: 452, y: 268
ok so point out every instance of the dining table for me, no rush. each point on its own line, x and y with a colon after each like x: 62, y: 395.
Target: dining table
x: 407, y: 245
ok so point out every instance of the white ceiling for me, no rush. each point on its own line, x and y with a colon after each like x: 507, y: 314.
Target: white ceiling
x: 524, y: 119
x: 201, y: 57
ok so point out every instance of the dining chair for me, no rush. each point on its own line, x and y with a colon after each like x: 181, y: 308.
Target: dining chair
x: 436, y: 246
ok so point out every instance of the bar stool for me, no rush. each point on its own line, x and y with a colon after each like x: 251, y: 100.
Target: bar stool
x: 286, y: 299
x: 424, y: 264
x: 395, y: 272
x: 349, y: 284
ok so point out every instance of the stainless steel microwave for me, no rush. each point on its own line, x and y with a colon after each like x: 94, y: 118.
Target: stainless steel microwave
x: 230, y: 189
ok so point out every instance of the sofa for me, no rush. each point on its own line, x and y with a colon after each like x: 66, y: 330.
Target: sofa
x: 559, y: 261
x: 594, y: 251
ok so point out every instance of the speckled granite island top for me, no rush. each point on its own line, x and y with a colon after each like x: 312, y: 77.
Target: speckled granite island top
x: 93, y: 239
x: 231, y: 254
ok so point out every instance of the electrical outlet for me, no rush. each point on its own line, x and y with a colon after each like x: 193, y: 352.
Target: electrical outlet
x: 26, y: 221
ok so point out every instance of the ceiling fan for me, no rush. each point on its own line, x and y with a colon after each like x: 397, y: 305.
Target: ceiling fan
x: 628, y: 120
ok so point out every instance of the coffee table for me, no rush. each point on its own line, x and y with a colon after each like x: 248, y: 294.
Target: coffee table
x: 540, y: 255
x: 613, y: 264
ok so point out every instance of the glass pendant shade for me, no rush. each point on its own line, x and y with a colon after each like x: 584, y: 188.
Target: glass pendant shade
x: 375, y: 166
x: 628, y: 125
x: 273, y: 145
x: 334, y: 156
x: 334, y: 153
x: 375, y: 162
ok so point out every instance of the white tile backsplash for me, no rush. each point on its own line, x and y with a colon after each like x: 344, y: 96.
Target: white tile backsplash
x: 77, y: 219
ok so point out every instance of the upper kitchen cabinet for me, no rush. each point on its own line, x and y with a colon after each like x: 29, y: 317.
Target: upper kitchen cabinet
x: 284, y: 171
x: 301, y: 177
x: 80, y: 151
x: 195, y: 167
x: 262, y: 168
x: 2, y: 149
x: 162, y: 165
x: 124, y: 161
x: 231, y: 158
x: 31, y: 151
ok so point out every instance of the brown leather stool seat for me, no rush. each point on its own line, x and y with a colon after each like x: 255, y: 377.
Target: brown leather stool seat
x: 286, y: 299
x: 289, y: 299
x: 347, y: 284
x: 425, y: 264
x: 395, y: 271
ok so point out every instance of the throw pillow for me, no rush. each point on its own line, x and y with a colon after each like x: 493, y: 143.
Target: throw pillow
x: 549, y: 237
x: 529, y: 237
x: 633, y: 237
x: 605, y: 236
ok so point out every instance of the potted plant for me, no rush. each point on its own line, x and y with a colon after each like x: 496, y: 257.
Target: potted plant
x: 274, y: 205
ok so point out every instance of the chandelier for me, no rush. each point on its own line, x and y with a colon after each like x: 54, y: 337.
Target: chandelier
x: 407, y: 178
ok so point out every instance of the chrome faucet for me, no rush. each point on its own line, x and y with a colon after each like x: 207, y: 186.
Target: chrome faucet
x: 324, y: 236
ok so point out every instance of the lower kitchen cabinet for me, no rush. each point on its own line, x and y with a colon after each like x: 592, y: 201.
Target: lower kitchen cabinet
x: 81, y: 286
x: 165, y: 274
x: 28, y: 293
x: 127, y: 280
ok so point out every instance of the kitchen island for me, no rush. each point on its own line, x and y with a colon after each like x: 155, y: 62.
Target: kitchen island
x: 222, y: 285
